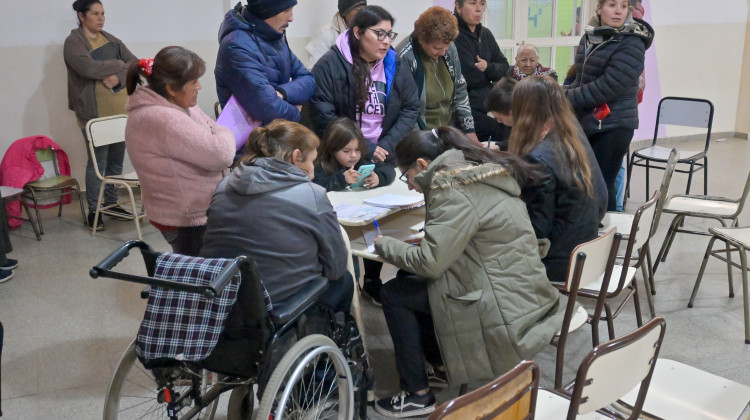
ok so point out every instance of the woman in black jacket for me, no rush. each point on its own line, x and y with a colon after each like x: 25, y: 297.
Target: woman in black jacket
x: 610, y: 58
x: 482, y: 64
x: 568, y: 201
x: 362, y: 78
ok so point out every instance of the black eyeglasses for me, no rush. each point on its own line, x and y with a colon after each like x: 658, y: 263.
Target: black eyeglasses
x: 403, y: 178
x: 381, y: 34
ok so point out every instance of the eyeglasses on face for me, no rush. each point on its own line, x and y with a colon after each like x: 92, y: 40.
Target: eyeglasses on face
x: 403, y: 178
x: 381, y: 34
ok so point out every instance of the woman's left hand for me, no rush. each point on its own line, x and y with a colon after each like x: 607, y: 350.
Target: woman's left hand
x: 380, y: 154
x: 372, y: 181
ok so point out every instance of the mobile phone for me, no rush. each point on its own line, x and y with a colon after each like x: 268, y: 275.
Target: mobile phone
x: 365, y: 171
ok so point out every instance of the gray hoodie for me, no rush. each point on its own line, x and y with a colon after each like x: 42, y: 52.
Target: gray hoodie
x: 270, y: 211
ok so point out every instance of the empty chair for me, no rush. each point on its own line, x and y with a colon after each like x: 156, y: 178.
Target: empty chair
x: 684, y: 112
x: 681, y: 392
x: 102, y: 132
x: 509, y: 397
x: 588, y: 262
x: 736, y: 240
x: 724, y: 210
x: 606, y: 374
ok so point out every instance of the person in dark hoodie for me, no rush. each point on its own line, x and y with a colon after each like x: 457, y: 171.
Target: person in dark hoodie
x: 482, y: 64
x: 256, y: 65
x: 362, y: 78
x: 290, y: 247
x: 604, y: 95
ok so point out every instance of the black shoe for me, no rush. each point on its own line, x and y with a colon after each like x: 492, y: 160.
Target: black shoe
x: 371, y: 289
x: 9, y: 265
x: 437, y: 378
x: 405, y: 404
x: 5, y: 275
x: 99, y: 224
x: 119, y: 213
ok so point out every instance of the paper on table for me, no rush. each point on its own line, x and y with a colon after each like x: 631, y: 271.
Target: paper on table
x: 369, y: 233
x: 394, y: 200
x: 234, y: 117
x: 358, y: 212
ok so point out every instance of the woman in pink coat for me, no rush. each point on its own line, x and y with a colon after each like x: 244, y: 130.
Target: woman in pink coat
x: 178, y: 152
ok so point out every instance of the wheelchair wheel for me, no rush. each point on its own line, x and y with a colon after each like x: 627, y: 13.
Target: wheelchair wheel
x: 134, y: 392
x: 312, y: 381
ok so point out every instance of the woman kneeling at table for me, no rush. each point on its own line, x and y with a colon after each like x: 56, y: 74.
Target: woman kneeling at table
x: 477, y: 279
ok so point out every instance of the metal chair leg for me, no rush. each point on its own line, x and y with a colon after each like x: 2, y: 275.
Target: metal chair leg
x: 610, y: 323
x: 745, y: 304
x: 638, y: 315
x: 729, y: 268
x: 646, y: 281
x: 705, y: 175
x: 690, y: 176
x: 33, y: 225
x: 679, y: 220
x: 707, y: 254
x: 661, y: 256
x: 648, y: 170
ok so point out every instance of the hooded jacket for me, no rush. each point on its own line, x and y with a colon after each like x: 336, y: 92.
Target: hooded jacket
x: 559, y: 210
x: 254, y: 63
x: 479, y: 43
x: 179, y: 157
x: 321, y: 42
x: 490, y: 299
x: 334, y: 97
x: 609, y: 63
x: 409, y: 52
x: 84, y: 72
x: 271, y: 212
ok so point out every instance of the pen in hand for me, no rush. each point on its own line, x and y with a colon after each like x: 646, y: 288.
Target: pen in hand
x: 377, y: 227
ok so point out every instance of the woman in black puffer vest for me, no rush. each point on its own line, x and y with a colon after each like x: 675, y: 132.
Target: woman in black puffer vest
x: 610, y: 58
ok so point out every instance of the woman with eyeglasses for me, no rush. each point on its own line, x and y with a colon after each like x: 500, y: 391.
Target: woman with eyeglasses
x: 475, y: 282
x: 362, y: 78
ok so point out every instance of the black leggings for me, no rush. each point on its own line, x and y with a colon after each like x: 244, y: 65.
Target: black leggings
x: 406, y: 307
x: 609, y: 148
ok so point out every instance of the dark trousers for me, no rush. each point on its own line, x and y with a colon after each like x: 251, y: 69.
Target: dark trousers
x: 609, y: 148
x: 5, y: 246
x: 186, y: 240
x: 487, y: 127
x: 2, y: 332
x: 407, y: 312
x: 339, y: 293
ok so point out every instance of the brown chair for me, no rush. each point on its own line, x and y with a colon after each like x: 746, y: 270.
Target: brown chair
x: 509, y: 397
x: 588, y: 262
x: 609, y: 372
x: 623, y: 275
x: 51, y: 185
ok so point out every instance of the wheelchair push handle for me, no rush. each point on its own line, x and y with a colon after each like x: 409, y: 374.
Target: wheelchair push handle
x: 118, y: 255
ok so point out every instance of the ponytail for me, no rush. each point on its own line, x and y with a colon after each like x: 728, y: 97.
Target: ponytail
x: 174, y: 66
x: 279, y: 139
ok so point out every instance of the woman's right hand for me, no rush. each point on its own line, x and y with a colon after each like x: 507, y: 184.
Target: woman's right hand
x: 351, y: 175
x: 111, y: 81
x: 380, y: 154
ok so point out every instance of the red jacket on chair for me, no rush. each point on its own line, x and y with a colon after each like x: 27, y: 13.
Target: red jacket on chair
x: 20, y: 166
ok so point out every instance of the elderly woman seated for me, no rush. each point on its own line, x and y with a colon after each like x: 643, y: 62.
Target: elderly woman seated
x: 527, y: 64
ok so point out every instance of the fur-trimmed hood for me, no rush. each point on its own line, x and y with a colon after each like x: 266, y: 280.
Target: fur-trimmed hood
x: 451, y: 169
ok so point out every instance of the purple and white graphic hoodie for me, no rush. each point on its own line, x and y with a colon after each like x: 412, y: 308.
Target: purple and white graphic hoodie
x: 371, y: 118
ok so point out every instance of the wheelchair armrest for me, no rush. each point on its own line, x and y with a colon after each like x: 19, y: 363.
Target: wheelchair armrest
x: 289, y: 308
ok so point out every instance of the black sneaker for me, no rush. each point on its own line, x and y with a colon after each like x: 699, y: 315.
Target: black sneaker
x: 371, y: 289
x: 11, y: 264
x: 99, y: 224
x: 119, y: 213
x: 5, y: 275
x: 405, y: 404
x: 437, y: 378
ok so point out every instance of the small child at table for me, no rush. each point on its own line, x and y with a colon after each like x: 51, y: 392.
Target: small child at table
x: 339, y: 157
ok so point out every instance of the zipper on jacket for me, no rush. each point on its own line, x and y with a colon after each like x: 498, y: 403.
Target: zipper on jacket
x: 583, y: 67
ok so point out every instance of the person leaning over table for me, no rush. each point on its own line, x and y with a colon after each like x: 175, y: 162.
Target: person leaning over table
x: 433, y: 59
x: 97, y: 63
x: 363, y: 79
x: 476, y: 279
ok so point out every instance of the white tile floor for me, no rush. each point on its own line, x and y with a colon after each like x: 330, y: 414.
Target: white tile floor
x: 66, y: 331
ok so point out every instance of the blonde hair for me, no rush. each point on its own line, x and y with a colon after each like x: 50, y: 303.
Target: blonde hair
x: 279, y: 139
x: 537, y: 100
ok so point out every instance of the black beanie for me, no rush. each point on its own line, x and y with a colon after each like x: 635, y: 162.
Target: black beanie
x: 346, y: 6
x: 264, y: 9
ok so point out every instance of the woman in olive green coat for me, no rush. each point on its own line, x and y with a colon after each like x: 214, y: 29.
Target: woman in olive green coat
x: 489, y: 296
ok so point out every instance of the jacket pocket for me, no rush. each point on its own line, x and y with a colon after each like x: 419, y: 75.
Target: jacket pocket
x: 470, y: 297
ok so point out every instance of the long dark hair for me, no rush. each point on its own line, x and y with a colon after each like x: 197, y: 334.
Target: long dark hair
x: 538, y: 100
x: 83, y: 6
x: 367, y: 17
x: 174, y: 66
x: 339, y: 133
x: 429, y: 144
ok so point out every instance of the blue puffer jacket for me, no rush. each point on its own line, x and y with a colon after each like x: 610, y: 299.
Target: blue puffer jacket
x: 608, y: 72
x: 255, y: 62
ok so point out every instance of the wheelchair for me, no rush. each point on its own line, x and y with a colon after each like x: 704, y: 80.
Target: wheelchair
x: 306, y: 361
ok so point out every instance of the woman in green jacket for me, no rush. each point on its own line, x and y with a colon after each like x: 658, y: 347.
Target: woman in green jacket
x: 476, y: 275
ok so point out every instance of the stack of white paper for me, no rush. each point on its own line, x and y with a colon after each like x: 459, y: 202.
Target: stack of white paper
x: 395, y: 201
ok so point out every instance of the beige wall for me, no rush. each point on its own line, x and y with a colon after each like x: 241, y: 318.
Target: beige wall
x: 743, y: 106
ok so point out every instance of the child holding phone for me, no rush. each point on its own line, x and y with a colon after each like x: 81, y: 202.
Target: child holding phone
x: 338, y: 165
x: 341, y: 163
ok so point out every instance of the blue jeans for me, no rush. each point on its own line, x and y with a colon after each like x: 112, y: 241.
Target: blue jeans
x: 620, y: 186
x: 109, y: 160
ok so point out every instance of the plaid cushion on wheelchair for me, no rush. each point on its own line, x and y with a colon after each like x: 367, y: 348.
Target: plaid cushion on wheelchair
x: 183, y: 325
